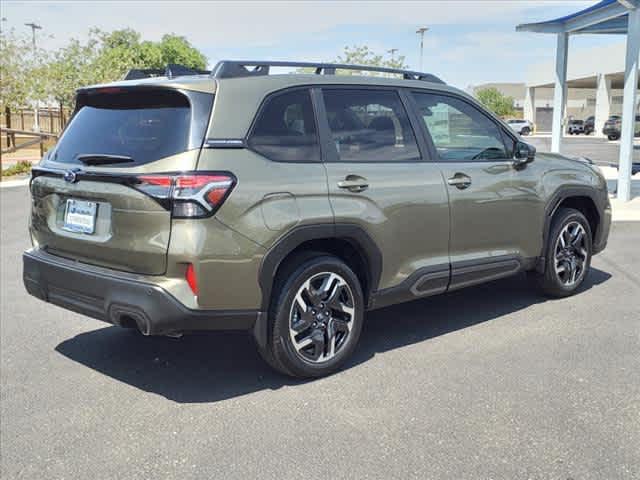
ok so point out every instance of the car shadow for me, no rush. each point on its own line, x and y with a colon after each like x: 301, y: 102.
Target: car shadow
x: 216, y: 366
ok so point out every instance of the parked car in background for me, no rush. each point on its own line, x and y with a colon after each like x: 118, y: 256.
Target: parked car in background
x: 576, y: 127
x: 589, y: 125
x: 290, y: 205
x: 612, y: 127
x: 523, y: 127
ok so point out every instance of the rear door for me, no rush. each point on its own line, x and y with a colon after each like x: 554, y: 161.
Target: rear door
x: 380, y: 179
x: 94, y: 199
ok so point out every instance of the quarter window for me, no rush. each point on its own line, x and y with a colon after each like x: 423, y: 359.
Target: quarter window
x: 369, y: 126
x: 285, y: 131
x: 460, y: 131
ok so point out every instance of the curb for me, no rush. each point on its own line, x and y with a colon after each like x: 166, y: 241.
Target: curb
x: 14, y: 183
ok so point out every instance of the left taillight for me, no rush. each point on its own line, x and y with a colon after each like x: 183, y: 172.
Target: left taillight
x: 188, y: 195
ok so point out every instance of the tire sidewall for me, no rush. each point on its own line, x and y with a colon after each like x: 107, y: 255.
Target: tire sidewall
x: 282, y: 345
x: 566, y: 216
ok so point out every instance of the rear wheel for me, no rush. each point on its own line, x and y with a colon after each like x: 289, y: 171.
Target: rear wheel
x: 612, y: 137
x: 315, y: 319
x: 567, y: 253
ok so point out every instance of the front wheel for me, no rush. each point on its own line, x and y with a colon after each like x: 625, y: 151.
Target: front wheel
x: 567, y: 253
x: 315, y: 319
x: 525, y: 131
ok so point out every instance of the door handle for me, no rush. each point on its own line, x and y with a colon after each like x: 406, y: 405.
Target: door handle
x: 354, y: 183
x: 460, y: 181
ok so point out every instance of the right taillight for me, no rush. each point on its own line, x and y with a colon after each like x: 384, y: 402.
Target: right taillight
x: 188, y: 195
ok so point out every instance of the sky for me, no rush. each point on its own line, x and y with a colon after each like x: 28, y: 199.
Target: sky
x: 468, y: 43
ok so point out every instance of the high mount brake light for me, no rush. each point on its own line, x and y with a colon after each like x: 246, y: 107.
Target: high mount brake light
x: 189, y: 195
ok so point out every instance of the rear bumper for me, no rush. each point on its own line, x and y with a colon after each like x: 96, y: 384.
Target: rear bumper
x: 115, y: 298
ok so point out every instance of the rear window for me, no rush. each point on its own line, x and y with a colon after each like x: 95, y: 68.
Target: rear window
x: 285, y: 130
x: 144, y: 125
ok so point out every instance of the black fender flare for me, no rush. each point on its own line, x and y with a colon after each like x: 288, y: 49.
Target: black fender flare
x: 557, y: 198
x: 354, y: 234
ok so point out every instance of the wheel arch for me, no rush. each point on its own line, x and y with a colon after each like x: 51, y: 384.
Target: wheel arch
x: 582, y: 198
x: 351, y: 243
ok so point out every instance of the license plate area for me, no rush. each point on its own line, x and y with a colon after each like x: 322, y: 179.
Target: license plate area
x: 80, y: 216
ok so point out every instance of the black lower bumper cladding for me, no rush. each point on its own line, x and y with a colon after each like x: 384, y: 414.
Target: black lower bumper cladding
x: 120, y: 300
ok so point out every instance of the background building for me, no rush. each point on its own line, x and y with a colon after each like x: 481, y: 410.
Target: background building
x: 595, y: 87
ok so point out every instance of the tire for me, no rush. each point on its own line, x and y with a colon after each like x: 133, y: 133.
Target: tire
x: 327, y: 333
x: 613, y: 137
x: 525, y: 131
x: 565, y: 268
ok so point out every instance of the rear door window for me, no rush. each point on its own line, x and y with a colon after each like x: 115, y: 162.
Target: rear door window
x: 285, y: 130
x: 143, y: 125
x: 369, y: 126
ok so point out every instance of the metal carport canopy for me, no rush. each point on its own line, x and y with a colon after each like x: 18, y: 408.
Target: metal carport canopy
x: 605, y: 17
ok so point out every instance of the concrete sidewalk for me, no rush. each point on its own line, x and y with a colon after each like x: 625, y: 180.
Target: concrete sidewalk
x: 623, y: 211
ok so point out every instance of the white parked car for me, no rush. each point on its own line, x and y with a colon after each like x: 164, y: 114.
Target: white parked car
x: 523, y: 127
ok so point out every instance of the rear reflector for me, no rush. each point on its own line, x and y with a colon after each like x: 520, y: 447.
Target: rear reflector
x: 190, y: 275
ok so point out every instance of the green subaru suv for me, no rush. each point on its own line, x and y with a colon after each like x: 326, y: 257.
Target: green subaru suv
x: 289, y: 205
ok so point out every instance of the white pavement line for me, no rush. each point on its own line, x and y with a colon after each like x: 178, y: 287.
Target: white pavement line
x: 14, y: 183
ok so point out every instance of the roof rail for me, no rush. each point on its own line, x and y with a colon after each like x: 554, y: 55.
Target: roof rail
x: 238, y: 68
x: 171, y: 71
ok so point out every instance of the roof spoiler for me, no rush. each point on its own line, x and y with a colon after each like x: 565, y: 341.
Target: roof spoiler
x: 170, y: 71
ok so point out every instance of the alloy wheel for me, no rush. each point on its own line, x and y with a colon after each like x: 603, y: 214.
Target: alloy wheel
x: 571, y: 255
x: 321, y: 317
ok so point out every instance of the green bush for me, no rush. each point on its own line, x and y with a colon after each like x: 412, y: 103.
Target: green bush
x: 17, y: 169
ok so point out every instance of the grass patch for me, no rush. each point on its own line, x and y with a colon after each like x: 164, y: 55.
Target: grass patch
x: 17, y: 169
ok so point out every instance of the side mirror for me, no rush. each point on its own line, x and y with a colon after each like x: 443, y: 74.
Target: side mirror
x: 523, y: 154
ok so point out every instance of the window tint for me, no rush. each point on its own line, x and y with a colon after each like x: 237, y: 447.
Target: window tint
x: 285, y: 130
x: 460, y: 131
x: 369, y: 126
x: 145, y: 126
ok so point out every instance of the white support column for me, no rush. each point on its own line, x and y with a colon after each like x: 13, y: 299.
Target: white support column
x: 629, y: 106
x: 560, y: 93
x: 603, y: 102
x: 530, y: 104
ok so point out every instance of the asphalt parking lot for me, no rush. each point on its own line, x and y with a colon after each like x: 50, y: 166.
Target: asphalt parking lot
x: 600, y: 150
x: 490, y: 382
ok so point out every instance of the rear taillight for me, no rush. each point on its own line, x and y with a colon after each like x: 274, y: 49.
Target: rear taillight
x: 189, y: 195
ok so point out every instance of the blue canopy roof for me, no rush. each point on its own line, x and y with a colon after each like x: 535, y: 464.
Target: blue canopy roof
x: 606, y: 16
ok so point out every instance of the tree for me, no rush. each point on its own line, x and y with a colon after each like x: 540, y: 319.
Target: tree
x: 362, y: 55
x: 121, y: 50
x: 14, y: 69
x: 177, y: 49
x: 495, y: 101
x: 107, y: 56
x: 70, y: 68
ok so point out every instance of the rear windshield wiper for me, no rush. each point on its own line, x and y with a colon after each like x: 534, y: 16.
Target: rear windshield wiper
x: 103, y: 159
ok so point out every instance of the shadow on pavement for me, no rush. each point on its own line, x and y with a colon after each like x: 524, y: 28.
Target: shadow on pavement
x: 218, y: 366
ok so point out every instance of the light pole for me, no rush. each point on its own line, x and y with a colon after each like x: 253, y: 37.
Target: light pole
x: 34, y: 27
x: 392, y: 52
x: 420, y: 32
